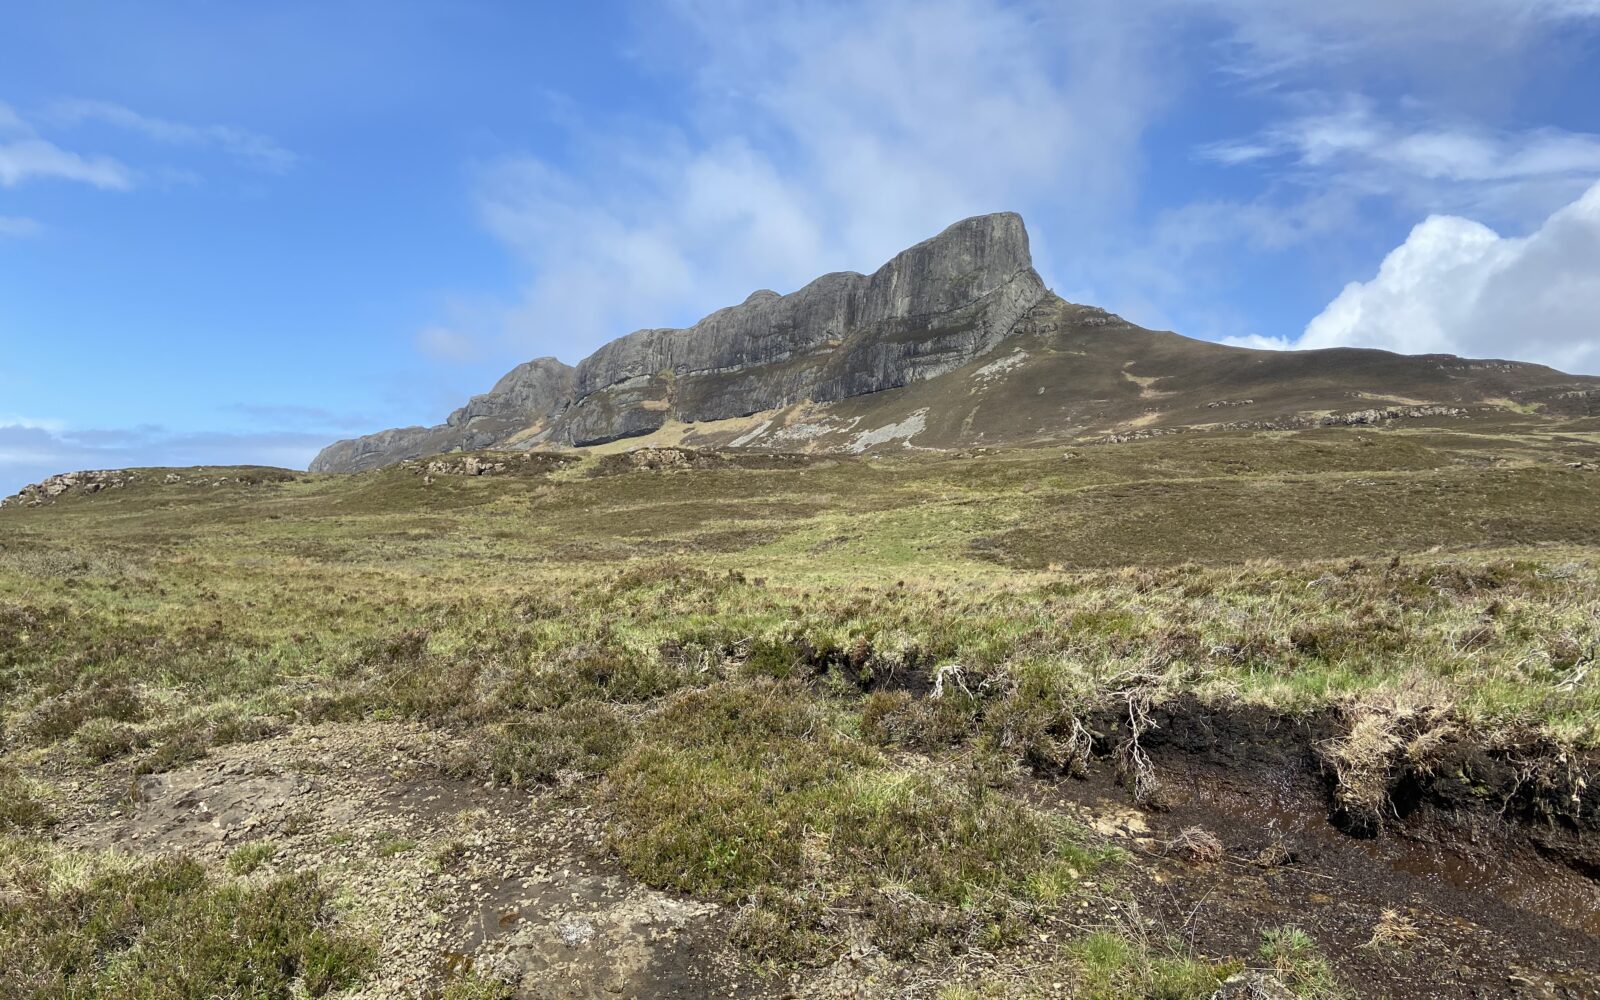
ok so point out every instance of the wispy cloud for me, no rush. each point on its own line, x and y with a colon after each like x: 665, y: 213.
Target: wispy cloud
x: 1353, y: 138
x: 823, y: 136
x: 26, y: 155
x: 32, y: 158
x: 442, y: 343
x: 31, y: 449
x: 251, y: 147
x: 1268, y: 40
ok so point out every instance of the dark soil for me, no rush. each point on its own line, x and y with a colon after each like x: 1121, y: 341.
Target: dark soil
x: 1490, y: 855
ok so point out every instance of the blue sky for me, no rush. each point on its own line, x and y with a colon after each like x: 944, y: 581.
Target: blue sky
x: 232, y: 233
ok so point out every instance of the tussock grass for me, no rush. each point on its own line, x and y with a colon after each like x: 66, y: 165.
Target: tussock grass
x: 1293, y: 955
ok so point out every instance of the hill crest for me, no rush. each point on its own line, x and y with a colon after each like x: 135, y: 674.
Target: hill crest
x: 954, y: 342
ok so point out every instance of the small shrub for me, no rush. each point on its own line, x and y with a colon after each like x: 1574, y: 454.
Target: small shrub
x: 76, y: 924
x: 896, y: 718
x: 580, y: 739
x: 60, y: 716
x: 102, y: 740
x: 25, y: 804
x: 782, y: 926
x: 744, y: 791
x: 248, y: 858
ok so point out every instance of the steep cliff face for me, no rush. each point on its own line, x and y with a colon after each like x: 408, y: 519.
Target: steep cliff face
x: 928, y: 311
x: 522, y: 401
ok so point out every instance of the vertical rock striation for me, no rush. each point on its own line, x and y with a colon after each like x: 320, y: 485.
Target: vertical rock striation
x: 931, y: 309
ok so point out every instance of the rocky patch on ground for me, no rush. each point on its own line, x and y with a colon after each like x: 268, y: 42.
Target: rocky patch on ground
x: 92, y: 481
x: 490, y: 464
x: 447, y: 876
x: 1372, y: 417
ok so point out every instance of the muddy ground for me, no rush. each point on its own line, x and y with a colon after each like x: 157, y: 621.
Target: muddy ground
x: 1489, y: 895
x: 450, y: 875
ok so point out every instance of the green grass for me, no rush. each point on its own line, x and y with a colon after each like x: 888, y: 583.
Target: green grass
x: 247, y: 859
x: 1293, y: 955
x: 752, y: 791
x: 738, y: 662
x: 93, y: 925
x: 26, y: 804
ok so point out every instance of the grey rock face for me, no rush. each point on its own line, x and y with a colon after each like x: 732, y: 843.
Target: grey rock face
x: 373, y: 450
x: 931, y: 309
x: 531, y: 390
x: 523, y: 397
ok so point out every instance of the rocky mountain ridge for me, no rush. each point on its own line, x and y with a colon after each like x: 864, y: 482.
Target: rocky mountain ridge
x: 955, y: 342
x: 927, y: 311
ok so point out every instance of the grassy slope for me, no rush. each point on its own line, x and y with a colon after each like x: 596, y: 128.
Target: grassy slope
x: 570, y: 619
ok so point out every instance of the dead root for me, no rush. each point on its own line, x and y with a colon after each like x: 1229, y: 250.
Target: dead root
x: 1196, y: 844
x: 1134, y: 767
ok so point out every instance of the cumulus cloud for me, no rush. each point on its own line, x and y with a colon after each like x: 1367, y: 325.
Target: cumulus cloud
x: 1456, y: 286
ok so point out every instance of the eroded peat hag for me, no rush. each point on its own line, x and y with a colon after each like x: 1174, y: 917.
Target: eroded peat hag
x: 1471, y: 885
x: 923, y: 725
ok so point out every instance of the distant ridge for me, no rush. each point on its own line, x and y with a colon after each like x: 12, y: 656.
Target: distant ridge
x: 954, y: 342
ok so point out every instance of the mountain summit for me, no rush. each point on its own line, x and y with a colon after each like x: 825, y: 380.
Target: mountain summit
x: 956, y: 341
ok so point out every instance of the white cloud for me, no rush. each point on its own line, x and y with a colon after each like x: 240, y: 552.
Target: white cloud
x: 256, y: 149
x: 1455, y: 286
x: 32, y: 423
x: 29, y: 158
x: 1353, y: 139
x: 1259, y: 342
x: 1273, y: 38
x: 10, y: 121
x: 822, y: 137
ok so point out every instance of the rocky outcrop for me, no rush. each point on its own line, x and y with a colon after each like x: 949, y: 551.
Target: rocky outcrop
x: 374, y: 450
x: 928, y: 311
x: 44, y: 492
